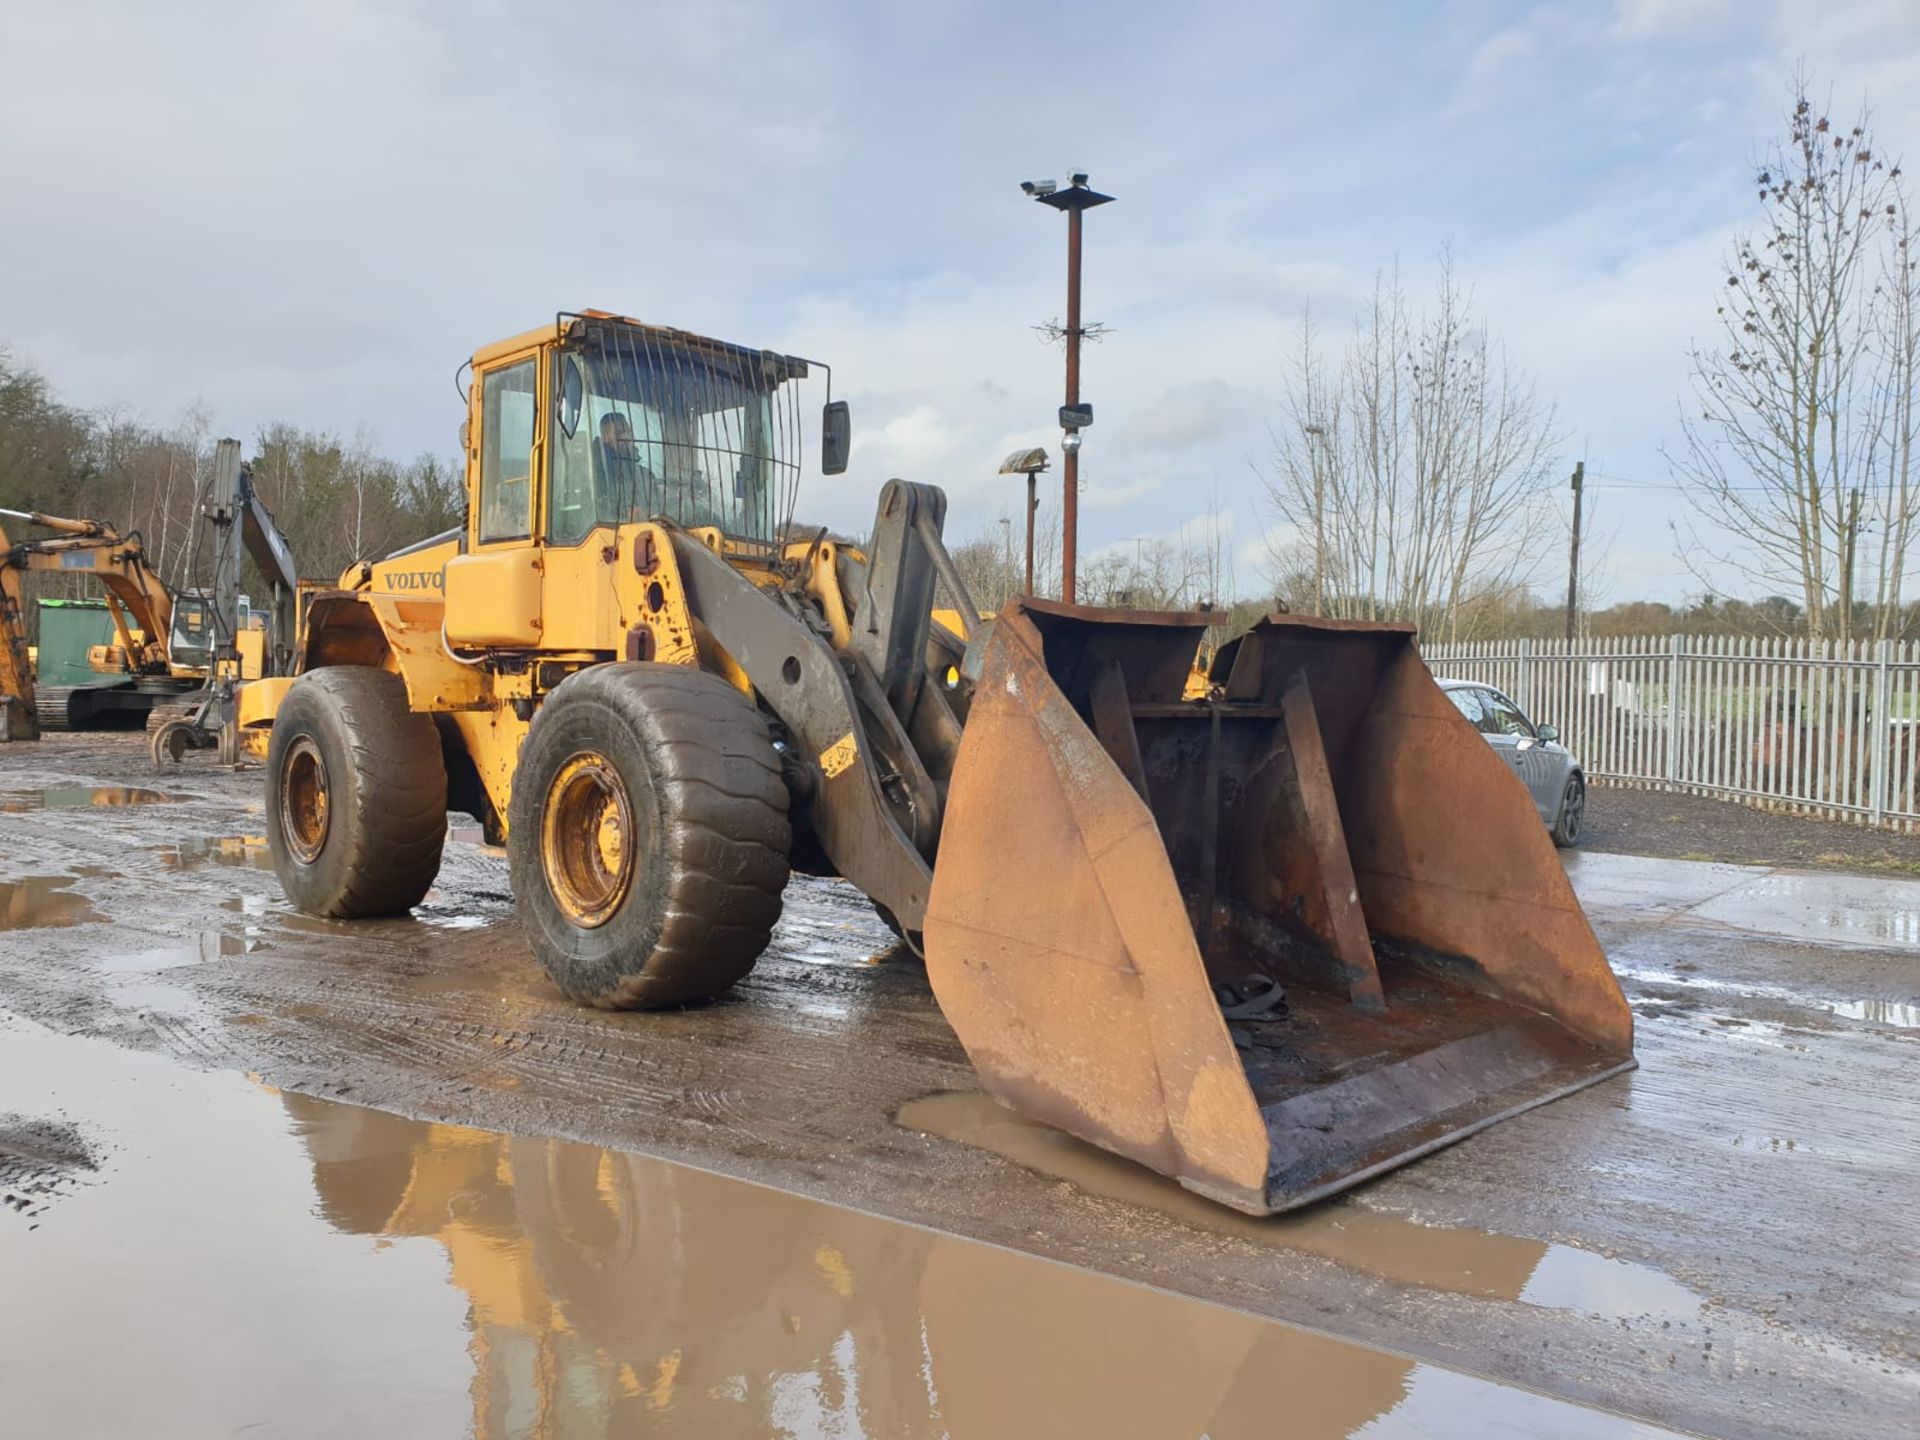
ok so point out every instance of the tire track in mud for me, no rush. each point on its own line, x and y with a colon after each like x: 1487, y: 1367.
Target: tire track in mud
x: 42, y: 1159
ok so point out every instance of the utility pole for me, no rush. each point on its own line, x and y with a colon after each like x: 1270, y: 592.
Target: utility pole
x: 1033, y: 508
x: 1075, y: 200
x: 1028, y: 463
x: 1573, y: 555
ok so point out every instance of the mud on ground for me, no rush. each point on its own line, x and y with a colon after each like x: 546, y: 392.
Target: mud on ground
x: 1697, y: 827
x: 1722, y: 1241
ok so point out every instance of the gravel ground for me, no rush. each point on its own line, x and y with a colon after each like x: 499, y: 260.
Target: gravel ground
x: 1699, y: 827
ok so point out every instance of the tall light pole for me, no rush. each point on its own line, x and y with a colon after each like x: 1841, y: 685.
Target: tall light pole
x: 1075, y: 200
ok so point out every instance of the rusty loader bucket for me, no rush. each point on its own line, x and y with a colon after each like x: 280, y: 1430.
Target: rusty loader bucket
x: 1271, y: 942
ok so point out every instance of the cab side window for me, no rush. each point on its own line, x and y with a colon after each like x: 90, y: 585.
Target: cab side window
x: 506, y: 452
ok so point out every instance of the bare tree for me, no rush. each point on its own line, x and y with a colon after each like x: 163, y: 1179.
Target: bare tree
x: 1798, y: 441
x: 994, y: 562
x: 1413, y: 472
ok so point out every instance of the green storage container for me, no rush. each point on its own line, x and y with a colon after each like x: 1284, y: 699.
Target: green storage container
x: 67, y: 629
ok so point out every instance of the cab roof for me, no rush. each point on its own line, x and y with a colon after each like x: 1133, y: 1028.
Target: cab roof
x: 569, y: 323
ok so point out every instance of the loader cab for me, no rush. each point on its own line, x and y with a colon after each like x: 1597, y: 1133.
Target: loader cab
x: 599, y: 422
x: 605, y: 421
x: 648, y: 423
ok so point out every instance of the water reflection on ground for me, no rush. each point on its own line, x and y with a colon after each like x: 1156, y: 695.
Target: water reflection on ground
x: 274, y: 1260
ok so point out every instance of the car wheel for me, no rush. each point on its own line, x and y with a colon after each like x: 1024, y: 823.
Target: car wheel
x: 1573, y: 812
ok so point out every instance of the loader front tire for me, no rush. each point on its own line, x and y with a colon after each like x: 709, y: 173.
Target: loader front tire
x: 356, y: 795
x: 648, y: 835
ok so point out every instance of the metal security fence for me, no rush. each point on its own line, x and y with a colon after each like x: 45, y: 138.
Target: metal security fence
x: 1818, y: 726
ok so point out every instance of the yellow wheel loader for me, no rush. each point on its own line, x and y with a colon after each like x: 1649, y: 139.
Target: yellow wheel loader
x: 1268, y: 939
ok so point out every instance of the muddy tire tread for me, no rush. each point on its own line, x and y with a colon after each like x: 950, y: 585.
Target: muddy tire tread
x: 398, y: 822
x: 723, y: 808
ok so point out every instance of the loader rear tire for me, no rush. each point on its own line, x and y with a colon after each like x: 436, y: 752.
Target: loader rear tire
x: 648, y: 835
x: 356, y: 795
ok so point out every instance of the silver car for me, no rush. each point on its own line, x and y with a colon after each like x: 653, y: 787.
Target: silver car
x: 1545, y: 766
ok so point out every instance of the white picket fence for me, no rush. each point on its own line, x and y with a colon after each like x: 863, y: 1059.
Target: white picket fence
x: 1815, y: 726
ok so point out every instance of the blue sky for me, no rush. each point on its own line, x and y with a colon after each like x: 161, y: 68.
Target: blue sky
x: 312, y: 212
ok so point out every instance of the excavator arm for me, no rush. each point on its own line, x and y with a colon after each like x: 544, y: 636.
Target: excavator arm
x: 134, y: 592
x: 136, y: 597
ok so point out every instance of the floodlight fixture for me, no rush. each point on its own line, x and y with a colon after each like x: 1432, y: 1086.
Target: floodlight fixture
x: 1025, y: 462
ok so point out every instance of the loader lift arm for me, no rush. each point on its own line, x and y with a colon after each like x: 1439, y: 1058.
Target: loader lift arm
x: 867, y: 784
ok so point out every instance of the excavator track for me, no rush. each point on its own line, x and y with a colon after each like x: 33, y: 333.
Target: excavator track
x: 53, y: 708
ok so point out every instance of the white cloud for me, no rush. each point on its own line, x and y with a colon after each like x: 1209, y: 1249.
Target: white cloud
x: 1185, y: 415
x: 1668, y: 19
x: 1497, y: 55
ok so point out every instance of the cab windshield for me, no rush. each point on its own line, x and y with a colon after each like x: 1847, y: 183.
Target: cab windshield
x: 696, y: 432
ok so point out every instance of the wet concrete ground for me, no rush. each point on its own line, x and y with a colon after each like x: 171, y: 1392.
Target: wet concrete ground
x: 1722, y: 1242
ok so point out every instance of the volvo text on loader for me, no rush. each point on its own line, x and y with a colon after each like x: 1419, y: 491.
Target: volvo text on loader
x: 1269, y: 940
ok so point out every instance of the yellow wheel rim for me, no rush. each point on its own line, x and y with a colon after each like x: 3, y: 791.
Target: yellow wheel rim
x: 305, y: 801
x: 586, y: 839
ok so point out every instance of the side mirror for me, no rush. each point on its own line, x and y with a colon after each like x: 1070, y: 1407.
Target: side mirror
x: 836, y: 437
x: 1547, y: 733
x: 572, y: 394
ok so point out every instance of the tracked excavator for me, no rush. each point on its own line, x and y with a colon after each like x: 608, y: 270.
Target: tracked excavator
x: 1269, y: 936
x: 142, y: 607
x: 178, y: 656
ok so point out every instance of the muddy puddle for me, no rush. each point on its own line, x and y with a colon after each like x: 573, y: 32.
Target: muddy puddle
x: 73, y: 797
x: 826, y: 922
x: 247, y: 852
x: 207, y: 946
x: 1461, y: 1261
x: 262, y: 1262
x: 42, y: 902
x: 1901, y: 1014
